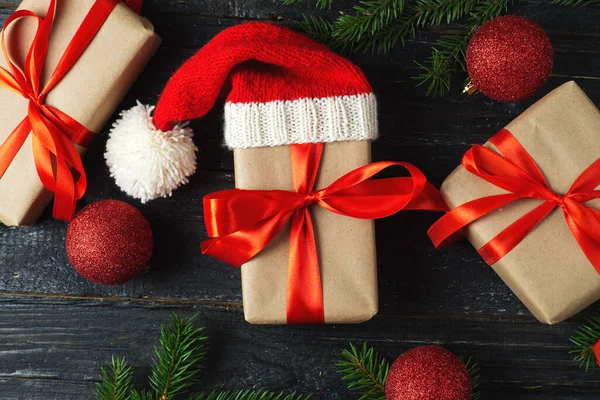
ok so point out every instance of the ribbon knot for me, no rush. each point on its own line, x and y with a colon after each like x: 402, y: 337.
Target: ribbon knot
x: 310, y: 199
x: 559, y: 199
x: 242, y: 223
x: 518, y: 174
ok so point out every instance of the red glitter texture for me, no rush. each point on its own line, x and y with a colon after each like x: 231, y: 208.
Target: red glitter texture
x: 428, y: 373
x: 509, y: 58
x: 109, y: 242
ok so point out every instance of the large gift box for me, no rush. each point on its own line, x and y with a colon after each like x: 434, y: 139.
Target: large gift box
x: 89, y: 92
x: 537, y: 226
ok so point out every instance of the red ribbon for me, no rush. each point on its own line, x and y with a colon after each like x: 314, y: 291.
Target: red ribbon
x: 596, y: 350
x: 54, y: 132
x: 243, y: 222
x: 516, y: 172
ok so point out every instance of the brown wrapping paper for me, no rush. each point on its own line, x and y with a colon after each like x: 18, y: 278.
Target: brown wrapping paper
x: 548, y: 271
x: 346, y: 246
x: 89, y: 93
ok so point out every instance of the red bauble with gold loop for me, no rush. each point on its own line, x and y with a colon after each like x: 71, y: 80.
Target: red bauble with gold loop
x: 509, y: 58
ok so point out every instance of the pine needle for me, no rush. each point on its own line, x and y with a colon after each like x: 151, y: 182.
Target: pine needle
x: 364, y: 370
x: 247, y: 395
x: 320, y: 29
x: 115, y: 380
x: 574, y: 2
x: 585, y: 337
x: 475, y: 373
x: 320, y: 3
x: 178, y: 361
x: 143, y: 395
x: 437, y: 12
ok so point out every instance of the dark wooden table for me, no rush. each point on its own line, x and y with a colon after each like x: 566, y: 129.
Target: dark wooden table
x: 56, y: 329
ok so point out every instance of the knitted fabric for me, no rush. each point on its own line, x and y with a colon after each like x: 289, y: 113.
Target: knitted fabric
x: 283, y: 88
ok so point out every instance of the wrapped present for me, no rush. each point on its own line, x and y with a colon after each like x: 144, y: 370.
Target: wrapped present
x: 67, y: 64
x: 300, y: 120
x: 527, y: 201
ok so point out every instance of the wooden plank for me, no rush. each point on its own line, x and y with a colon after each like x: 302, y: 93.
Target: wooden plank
x: 421, y: 280
x: 415, y: 130
x: 53, y: 348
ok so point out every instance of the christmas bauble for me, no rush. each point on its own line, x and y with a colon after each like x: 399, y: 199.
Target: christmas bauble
x: 509, y: 58
x: 428, y: 373
x: 109, y: 242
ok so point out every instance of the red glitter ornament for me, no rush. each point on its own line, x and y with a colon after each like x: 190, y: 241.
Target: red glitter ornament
x: 109, y: 242
x: 509, y: 58
x: 428, y: 373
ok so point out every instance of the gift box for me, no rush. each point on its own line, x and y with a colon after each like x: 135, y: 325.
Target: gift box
x: 527, y: 202
x: 88, y: 93
x: 345, y: 246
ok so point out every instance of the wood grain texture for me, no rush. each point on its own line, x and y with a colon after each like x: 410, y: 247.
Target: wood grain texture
x: 56, y: 329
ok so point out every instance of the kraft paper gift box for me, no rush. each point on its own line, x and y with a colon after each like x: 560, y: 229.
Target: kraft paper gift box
x: 547, y: 271
x: 345, y: 246
x: 89, y: 93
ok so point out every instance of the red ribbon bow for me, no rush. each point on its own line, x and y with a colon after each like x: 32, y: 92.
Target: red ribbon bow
x: 243, y: 222
x: 517, y: 173
x: 54, y: 132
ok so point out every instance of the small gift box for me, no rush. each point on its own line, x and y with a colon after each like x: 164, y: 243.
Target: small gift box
x: 527, y: 201
x: 67, y: 65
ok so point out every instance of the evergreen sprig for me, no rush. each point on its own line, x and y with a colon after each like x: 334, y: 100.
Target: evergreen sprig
x: 176, y: 368
x: 364, y: 370
x: 178, y: 361
x: 248, y: 395
x: 115, y: 381
x: 475, y: 373
x: 574, y: 2
x: 585, y: 337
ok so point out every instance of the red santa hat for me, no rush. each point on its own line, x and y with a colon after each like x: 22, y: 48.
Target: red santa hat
x: 283, y: 89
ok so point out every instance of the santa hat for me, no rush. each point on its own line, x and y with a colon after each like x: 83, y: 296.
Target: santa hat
x: 283, y: 89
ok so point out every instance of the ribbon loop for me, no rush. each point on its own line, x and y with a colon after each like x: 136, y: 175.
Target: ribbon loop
x: 242, y: 222
x: 516, y: 172
x: 54, y: 132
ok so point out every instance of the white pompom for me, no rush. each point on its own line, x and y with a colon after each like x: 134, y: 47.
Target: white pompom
x: 146, y: 162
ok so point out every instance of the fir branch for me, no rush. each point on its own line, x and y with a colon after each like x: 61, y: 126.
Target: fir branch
x: 247, y: 395
x: 372, y: 18
x: 437, y: 12
x: 319, y: 29
x: 573, y: 3
x: 475, y: 373
x: 585, y: 337
x: 115, y: 380
x: 178, y: 361
x: 364, y: 370
x: 380, y: 24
